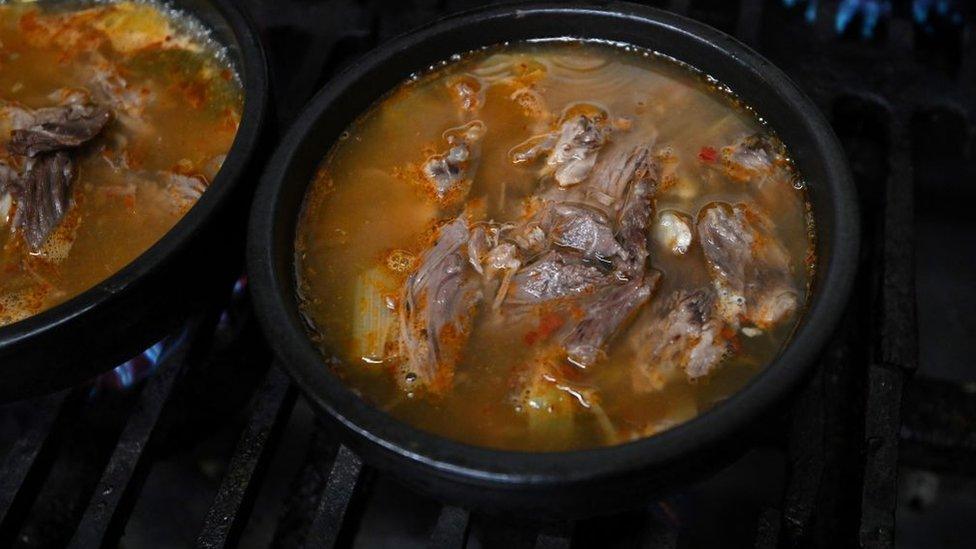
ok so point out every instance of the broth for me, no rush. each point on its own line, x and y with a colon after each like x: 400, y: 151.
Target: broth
x: 174, y: 104
x: 553, y: 245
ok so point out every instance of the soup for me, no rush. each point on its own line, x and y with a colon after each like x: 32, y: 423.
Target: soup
x: 114, y: 119
x: 553, y: 245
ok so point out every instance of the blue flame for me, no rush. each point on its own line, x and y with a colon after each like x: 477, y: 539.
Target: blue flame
x: 948, y: 10
x: 871, y: 11
x: 136, y: 369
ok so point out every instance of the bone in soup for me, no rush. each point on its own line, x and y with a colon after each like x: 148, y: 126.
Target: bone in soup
x: 552, y: 246
x: 114, y: 118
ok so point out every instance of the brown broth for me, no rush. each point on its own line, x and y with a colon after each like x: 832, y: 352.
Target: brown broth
x: 364, y: 204
x: 176, y: 102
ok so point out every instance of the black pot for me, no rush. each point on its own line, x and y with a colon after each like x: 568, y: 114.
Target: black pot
x: 561, y: 483
x: 191, y: 264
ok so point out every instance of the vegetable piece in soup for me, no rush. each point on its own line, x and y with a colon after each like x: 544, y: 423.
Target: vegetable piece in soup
x: 554, y: 246
x: 114, y: 119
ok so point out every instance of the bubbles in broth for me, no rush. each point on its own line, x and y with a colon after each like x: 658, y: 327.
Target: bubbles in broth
x: 114, y: 119
x: 553, y: 245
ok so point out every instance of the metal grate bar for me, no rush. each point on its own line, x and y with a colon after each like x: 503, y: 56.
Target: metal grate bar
x: 899, y: 329
x: 880, y: 491
x: 235, y: 498
x: 898, y: 351
x: 806, y: 455
x: 451, y: 531
x: 104, y: 519
x: 18, y: 468
x: 346, y: 483
x: 938, y: 430
x: 767, y: 534
x: 555, y: 536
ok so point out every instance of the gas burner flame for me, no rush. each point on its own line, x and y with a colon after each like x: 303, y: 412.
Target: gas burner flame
x: 872, y: 12
x: 926, y: 11
x: 133, y: 371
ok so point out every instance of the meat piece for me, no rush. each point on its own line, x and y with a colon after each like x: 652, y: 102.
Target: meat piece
x: 575, y: 151
x: 604, y: 316
x: 504, y: 258
x: 9, y: 178
x: 556, y: 275
x: 531, y: 102
x: 684, y: 336
x: 749, y: 266
x: 635, y: 211
x: 449, y: 174
x: 46, y: 196
x: 58, y: 128
x: 583, y: 229
x: 468, y: 92
x: 9, y: 186
x: 533, y: 148
x: 436, y: 307
x: 609, y: 184
x: 479, y: 244
x: 674, y: 232
x: 572, y: 148
x: 182, y: 190
x: 752, y: 157
x: 13, y: 117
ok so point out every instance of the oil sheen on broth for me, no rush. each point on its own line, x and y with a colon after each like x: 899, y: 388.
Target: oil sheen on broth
x: 550, y: 246
x: 114, y: 118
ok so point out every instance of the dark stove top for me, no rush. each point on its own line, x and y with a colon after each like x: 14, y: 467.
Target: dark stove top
x: 200, y: 442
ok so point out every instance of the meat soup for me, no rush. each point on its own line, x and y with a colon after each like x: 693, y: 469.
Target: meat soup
x: 554, y: 245
x: 114, y: 118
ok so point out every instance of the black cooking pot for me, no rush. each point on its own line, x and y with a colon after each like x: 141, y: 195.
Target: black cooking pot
x: 559, y: 483
x: 191, y: 264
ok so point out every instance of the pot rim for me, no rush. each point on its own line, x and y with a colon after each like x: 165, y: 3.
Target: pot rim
x: 277, y: 308
x: 254, y: 79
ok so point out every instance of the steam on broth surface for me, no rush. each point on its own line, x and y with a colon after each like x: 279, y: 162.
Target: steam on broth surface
x: 114, y: 118
x: 551, y: 246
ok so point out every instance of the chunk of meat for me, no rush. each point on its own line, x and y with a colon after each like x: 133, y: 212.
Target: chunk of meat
x: 57, y: 128
x: 490, y: 258
x: 685, y: 335
x: 9, y: 185
x: 635, y: 212
x: 575, y: 151
x: 449, y: 174
x: 183, y: 190
x: 748, y: 264
x: 604, y: 316
x: 572, y: 148
x: 584, y: 229
x: 674, y: 231
x: 468, y: 91
x: 607, y: 188
x: 9, y: 178
x: 505, y: 259
x: 555, y: 275
x: 752, y: 157
x: 436, y: 307
x: 45, y: 197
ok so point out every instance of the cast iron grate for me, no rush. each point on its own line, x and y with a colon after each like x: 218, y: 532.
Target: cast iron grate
x: 899, y: 91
